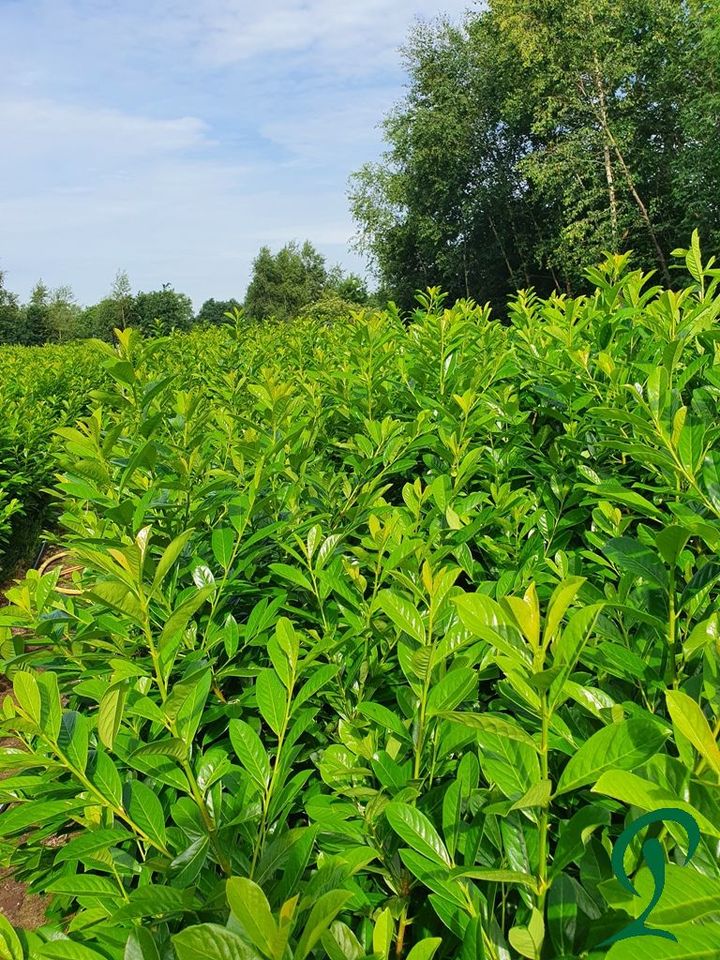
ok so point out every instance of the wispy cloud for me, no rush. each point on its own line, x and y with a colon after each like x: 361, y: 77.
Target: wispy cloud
x: 174, y: 137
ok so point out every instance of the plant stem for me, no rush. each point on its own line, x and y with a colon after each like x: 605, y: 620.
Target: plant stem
x: 545, y: 813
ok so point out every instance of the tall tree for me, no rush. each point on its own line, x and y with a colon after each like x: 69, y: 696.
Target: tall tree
x: 160, y: 312
x: 63, y: 315
x: 121, y: 296
x: 539, y: 134
x: 213, y: 311
x: 285, y: 282
x: 10, y: 315
x: 37, y: 315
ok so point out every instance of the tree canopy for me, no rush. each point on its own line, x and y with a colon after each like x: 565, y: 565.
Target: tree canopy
x: 539, y: 134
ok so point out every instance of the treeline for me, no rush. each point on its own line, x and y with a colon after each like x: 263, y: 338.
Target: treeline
x: 293, y: 281
x: 539, y: 134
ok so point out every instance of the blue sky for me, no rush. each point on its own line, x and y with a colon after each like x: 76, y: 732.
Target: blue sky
x: 172, y: 138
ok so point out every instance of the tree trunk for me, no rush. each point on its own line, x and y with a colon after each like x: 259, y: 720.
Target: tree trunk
x: 609, y: 176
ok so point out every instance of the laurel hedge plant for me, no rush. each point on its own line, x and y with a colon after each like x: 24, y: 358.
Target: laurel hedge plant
x: 380, y: 634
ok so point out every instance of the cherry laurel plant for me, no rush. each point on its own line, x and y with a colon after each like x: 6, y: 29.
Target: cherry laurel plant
x: 380, y: 633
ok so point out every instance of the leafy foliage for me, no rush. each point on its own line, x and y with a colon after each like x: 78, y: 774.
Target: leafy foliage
x: 537, y: 135
x: 382, y: 632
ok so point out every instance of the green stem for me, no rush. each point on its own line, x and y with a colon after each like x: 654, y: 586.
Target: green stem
x: 262, y: 832
x: 91, y: 788
x: 545, y: 813
x: 672, y: 633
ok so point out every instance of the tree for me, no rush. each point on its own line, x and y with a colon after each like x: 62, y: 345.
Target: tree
x: 213, y: 311
x: 124, y: 303
x: 284, y: 283
x: 348, y: 287
x: 448, y: 203
x: 37, y: 315
x: 63, y: 319
x: 160, y: 312
x: 10, y: 315
x: 539, y: 134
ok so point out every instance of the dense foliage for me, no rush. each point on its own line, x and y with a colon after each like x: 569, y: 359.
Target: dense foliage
x: 283, y: 285
x: 286, y: 283
x: 41, y: 388
x: 541, y: 133
x: 381, y: 634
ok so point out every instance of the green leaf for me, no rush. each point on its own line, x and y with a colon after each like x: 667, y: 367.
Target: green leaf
x: 67, y: 949
x: 619, y: 746
x: 27, y: 694
x: 187, y: 866
x: 272, y: 700
x: 711, y: 478
x: 319, y: 679
x: 486, y: 619
x: 107, y: 779
x: 613, y: 491
x: 141, y: 945
x: 687, y: 896
x: 34, y: 812
x: 146, y: 810
x: 417, y: 831
x: 386, y: 718
x: 250, y: 752
x: 179, y: 618
x: 562, y: 915
x: 340, y: 943
x: 568, y: 646
x: 528, y: 940
x: 73, y: 738
x: 671, y: 541
x: 118, y: 596
x: 383, y: 934
x: 457, y: 685
x: 493, y: 723
x: 10, y: 946
x: 511, y: 764
x: 208, y: 941
x: 82, y: 885
x: 170, y: 557
x: 90, y: 842
x: 155, y: 901
x: 292, y: 574
x: 635, y: 791
x: 250, y: 905
x: 186, y: 702
x: 425, y: 949
x: 537, y: 796
x: 50, y: 704
x: 403, y: 614
x: 689, y: 719
x: 562, y: 597
x: 496, y: 876
x: 110, y: 712
x: 438, y: 879
x: 630, y: 556
x: 575, y: 833
x: 223, y: 544
x: 167, y: 747
x: 321, y: 916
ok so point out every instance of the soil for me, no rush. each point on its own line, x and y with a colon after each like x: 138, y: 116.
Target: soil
x: 24, y: 910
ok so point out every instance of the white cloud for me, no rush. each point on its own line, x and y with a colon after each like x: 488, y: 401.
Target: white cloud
x: 41, y: 127
x: 174, y: 137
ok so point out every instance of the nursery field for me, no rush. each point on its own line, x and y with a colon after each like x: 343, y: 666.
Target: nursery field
x: 370, y: 638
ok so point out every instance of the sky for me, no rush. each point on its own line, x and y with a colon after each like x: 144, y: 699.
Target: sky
x: 173, y: 138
